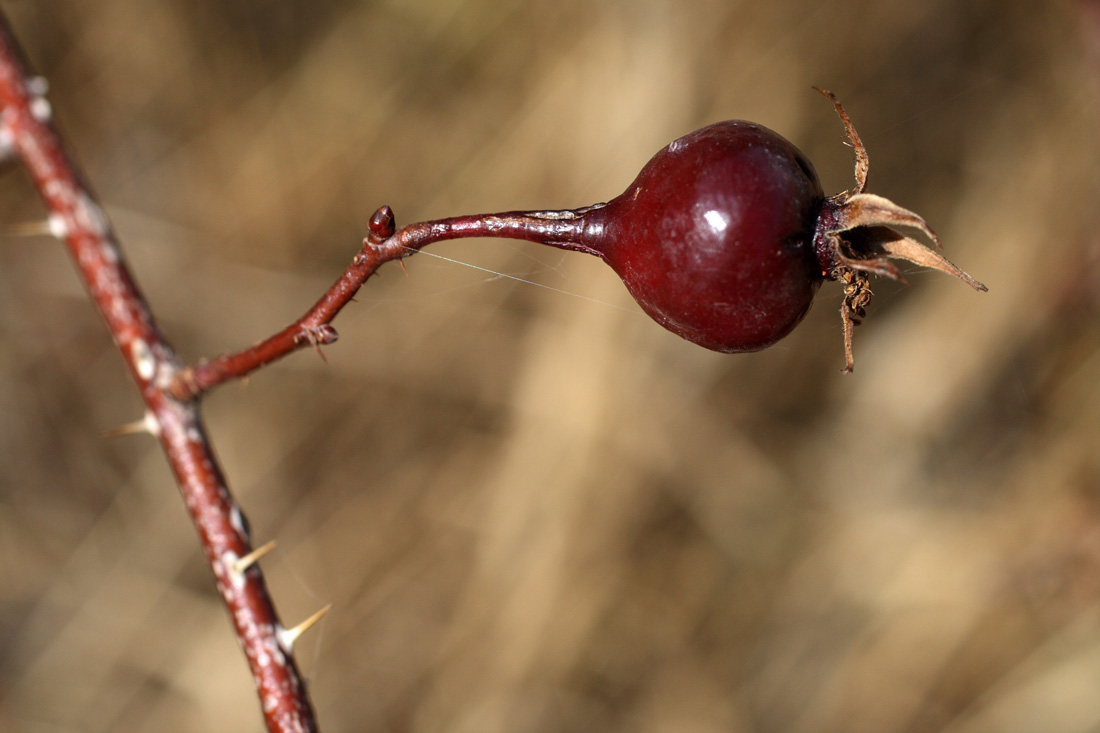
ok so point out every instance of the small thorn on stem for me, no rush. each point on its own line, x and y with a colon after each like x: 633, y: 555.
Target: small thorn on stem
x: 287, y: 637
x: 244, y: 563
x: 28, y: 229
x: 52, y: 226
x: 402, y: 263
x: 147, y: 424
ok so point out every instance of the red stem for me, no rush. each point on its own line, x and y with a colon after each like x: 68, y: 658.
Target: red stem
x: 25, y: 130
x: 567, y: 229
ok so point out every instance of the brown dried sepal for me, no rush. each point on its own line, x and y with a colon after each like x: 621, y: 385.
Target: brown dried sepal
x: 863, y: 236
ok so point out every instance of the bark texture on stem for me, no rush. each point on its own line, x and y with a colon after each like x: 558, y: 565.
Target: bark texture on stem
x: 76, y: 217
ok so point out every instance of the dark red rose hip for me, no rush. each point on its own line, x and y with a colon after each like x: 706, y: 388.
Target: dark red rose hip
x: 714, y: 238
x: 725, y: 236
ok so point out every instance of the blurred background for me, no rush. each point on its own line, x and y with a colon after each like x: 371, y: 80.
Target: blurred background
x: 533, y: 508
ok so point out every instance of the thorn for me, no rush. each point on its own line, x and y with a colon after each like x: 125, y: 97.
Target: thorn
x: 147, y: 424
x: 244, y: 563
x: 287, y: 637
x: 402, y: 263
x: 29, y: 229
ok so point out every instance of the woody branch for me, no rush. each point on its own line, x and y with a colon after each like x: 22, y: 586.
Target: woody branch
x: 75, y: 217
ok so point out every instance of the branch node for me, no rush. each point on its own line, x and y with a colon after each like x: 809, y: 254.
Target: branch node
x: 322, y: 335
x: 318, y: 336
x: 184, y: 386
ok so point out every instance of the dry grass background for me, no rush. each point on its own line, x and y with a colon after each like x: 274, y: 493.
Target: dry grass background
x: 532, y: 511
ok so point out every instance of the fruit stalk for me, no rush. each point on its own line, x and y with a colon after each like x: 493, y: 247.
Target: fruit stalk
x: 562, y: 229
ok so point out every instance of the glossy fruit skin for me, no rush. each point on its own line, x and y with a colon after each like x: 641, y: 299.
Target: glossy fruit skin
x: 714, y: 238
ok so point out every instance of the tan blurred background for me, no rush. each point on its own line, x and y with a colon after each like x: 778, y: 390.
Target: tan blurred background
x: 536, y: 510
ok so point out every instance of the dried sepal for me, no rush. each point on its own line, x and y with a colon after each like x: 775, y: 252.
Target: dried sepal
x: 863, y: 164
x: 866, y: 232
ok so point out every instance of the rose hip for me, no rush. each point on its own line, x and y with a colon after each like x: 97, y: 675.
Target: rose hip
x: 724, y: 237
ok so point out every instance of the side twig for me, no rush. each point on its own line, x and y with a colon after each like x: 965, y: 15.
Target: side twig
x: 562, y: 229
x: 26, y: 131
